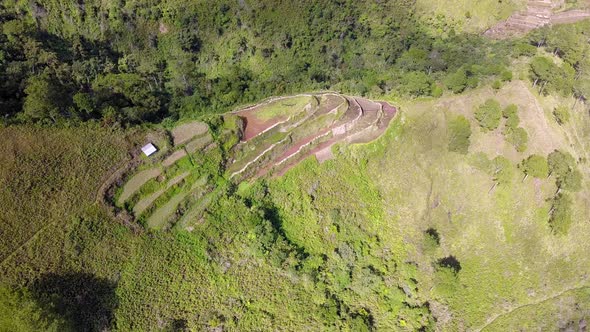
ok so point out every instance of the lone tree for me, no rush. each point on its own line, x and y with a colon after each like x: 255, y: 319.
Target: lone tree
x: 563, y: 166
x: 489, y: 114
x: 561, y: 114
x: 571, y: 181
x: 535, y: 166
x: 560, y: 163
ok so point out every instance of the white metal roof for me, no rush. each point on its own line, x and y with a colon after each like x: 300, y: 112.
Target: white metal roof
x: 149, y: 149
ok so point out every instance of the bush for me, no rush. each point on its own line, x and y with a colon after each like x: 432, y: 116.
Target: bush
x: 563, y: 166
x: 416, y: 83
x: 437, y: 91
x: 502, y: 170
x: 457, y: 81
x: 460, y: 131
x: 510, y: 113
x: 571, y: 181
x: 496, y: 85
x: 561, y: 114
x: 517, y: 137
x: 560, y: 163
x: 560, y: 218
x: 523, y: 49
x: 489, y: 115
x: 535, y: 166
x: 506, y: 76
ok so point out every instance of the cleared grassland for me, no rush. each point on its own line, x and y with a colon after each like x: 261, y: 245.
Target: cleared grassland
x: 160, y: 217
x: 407, y: 182
x: 48, y: 177
x: 199, y: 143
x: 174, y: 157
x: 467, y: 15
x: 145, y: 202
x: 186, y: 131
x: 549, y: 314
x: 283, y: 107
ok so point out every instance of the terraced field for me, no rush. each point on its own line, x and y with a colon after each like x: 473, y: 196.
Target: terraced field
x: 273, y: 145
x: 537, y: 14
x: 158, y: 190
x: 175, y: 187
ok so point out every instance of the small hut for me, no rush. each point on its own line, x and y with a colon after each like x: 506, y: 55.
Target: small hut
x: 149, y: 149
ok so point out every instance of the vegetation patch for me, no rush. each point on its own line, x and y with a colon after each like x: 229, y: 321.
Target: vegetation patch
x: 186, y: 131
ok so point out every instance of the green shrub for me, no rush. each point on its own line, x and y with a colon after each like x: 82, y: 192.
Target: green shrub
x: 510, y: 113
x: 564, y: 167
x: 489, y: 114
x: 560, y: 218
x: 561, y: 114
x: 457, y: 81
x: 571, y: 181
x: 460, y: 132
x: 416, y: 83
x: 524, y: 49
x: 502, y: 170
x: 560, y: 163
x: 506, y: 76
x: 535, y: 166
x: 496, y: 85
x: 517, y: 137
x: 437, y: 91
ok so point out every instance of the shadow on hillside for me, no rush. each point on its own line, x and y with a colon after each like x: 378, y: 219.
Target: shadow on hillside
x: 84, y: 301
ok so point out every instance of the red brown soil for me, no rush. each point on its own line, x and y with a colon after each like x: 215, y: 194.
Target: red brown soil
x: 323, y: 150
x: 254, y: 126
x: 363, y: 121
x: 388, y: 108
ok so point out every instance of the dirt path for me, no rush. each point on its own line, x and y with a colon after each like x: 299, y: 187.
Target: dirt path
x: 546, y: 299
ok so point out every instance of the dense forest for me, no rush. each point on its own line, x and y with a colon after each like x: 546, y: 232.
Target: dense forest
x: 135, y: 61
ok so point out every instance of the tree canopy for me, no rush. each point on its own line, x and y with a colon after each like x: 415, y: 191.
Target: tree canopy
x: 535, y: 166
x: 489, y: 114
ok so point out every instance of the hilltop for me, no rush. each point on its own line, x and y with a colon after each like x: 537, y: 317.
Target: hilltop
x: 175, y: 186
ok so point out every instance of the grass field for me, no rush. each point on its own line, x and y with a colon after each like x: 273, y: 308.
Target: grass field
x: 408, y: 182
x: 138, y: 180
x: 465, y: 15
x: 282, y: 107
x: 38, y: 191
x: 388, y: 235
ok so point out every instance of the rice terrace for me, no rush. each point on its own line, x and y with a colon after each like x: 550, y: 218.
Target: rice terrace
x: 273, y: 136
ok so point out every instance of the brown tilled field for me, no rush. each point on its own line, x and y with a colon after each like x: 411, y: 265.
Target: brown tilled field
x: 287, y: 138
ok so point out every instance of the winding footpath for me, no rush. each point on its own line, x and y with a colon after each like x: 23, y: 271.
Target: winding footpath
x: 541, y: 301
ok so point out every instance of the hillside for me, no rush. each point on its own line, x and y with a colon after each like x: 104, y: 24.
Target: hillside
x: 314, y: 165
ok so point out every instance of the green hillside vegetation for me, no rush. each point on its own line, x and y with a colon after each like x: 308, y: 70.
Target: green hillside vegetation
x: 142, y: 61
x: 469, y: 212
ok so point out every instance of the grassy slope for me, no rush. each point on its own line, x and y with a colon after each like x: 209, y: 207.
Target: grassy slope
x: 49, y: 176
x: 502, y: 239
x: 163, y: 280
x: 444, y: 15
x: 362, y: 214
